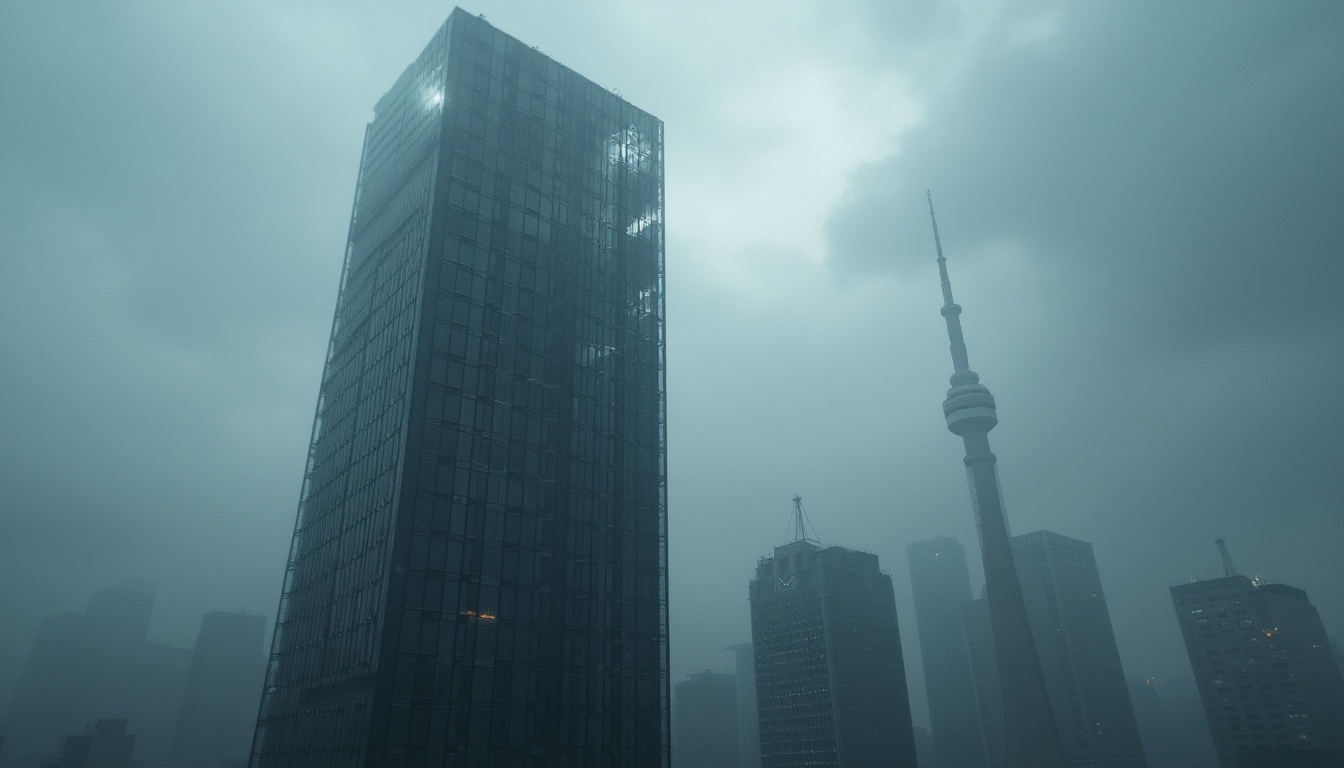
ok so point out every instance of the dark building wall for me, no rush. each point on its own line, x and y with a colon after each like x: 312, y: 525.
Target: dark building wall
x: 1076, y: 643
x: 830, y: 675
x: 1271, y: 688
x: 705, y: 722
x: 942, y: 586
x: 219, y: 709
x: 985, y: 670
x: 479, y: 565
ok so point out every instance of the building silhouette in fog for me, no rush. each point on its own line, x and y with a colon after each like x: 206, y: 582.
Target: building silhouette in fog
x: 830, y: 675
x: 1271, y: 687
x: 705, y: 725
x: 219, y: 709
x: 478, y: 568
x: 103, y: 744
x: 1173, y: 728
x: 1076, y: 644
x: 98, y: 665
x: 985, y: 672
x: 748, y: 721
x: 941, y: 587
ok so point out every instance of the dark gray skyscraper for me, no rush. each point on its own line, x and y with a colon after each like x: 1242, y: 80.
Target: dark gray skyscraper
x: 478, y: 568
x: 748, y: 720
x: 219, y: 711
x: 1072, y: 626
x: 1271, y: 687
x: 706, y: 722
x: 830, y: 676
x: 942, y: 587
x: 1031, y: 737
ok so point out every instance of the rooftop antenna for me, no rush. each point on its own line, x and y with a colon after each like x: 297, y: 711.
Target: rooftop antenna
x: 799, y: 522
x: 1228, y: 568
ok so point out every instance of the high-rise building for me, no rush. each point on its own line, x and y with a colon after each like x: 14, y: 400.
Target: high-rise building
x: 1172, y: 726
x: 941, y: 587
x: 219, y: 711
x: 830, y: 676
x: 705, y: 723
x: 103, y: 744
x: 1031, y: 737
x: 98, y: 665
x: 478, y: 568
x: 1089, y: 696
x: 748, y: 721
x: 1272, y: 689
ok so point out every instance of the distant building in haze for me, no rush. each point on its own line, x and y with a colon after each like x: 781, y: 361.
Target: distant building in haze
x: 830, y: 675
x: 1173, y: 728
x: 478, y: 571
x: 1076, y: 645
x: 1271, y: 687
x: 219, y: 710
x: 98, y: 665
x: 942, y: 586
x: 748, y: 720
x: 705, y: 728
x: 985, y: 672
x: 104, y: 744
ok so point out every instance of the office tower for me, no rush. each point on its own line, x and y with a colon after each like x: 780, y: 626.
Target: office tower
x: 1031, y: 736
x: 706, y: 722
x: 1272, y: 689
x: 219, y: 711
x: 104, y: 744
x: 1173, y: 729
x: 941, y: 587
x: 95, y: 665
x: 748, y: 721
x: 1061, y: 587
x: 830, y: 678
x: 985, y: 672
x: 478, y: 568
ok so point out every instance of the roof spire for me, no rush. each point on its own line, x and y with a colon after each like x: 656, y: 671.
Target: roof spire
x: 951, y: 311
x: 1229, y: 569
x: 799, y: 526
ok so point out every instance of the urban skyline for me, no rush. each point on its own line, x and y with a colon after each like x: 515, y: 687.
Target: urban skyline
x: 224, y: 441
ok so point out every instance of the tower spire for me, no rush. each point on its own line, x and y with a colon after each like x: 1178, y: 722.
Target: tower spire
x: 1031, y: 734
x: 799, y: 526
x: 951, y: 310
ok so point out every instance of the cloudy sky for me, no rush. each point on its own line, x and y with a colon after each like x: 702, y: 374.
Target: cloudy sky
x: 1142, y: 205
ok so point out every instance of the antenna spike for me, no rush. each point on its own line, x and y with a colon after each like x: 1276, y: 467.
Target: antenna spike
x: 1229, y: 569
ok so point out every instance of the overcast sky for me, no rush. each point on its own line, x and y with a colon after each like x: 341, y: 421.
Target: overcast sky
x: 1142, y: 205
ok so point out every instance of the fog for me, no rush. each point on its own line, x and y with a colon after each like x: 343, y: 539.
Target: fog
x: 1142, y: 206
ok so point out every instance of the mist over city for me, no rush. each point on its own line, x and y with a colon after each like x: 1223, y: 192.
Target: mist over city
x: 641, y: 355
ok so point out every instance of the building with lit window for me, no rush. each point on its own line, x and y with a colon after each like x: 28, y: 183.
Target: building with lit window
x: 478, y: 568
x: 830, y: 675
x: 1271, y: 687
x: 942, y: 586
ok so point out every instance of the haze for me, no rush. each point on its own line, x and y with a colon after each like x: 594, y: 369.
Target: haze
x: 1142, y: 205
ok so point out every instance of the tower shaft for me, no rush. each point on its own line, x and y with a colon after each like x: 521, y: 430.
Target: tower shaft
x: 1032, y: 736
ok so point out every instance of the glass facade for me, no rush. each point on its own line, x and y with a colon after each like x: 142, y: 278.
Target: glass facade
x: 830, y: 675
x: 478, y: 575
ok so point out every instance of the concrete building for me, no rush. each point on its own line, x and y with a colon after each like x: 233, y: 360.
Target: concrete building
x: 942, y: 586
x: 705, y: 725
x: 1271, y: 687
x: 219, y: 710
x: 830, y: 675
x: 478, y: 572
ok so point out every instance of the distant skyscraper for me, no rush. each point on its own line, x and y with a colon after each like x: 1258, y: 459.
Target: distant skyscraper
x: 1031, y: 737
x: 1271, y: 687
x: 1175, y: 734
x: 478, y: 572
x: 103, y: 744
x: 748, y: 720
x: 830, y: 676
x: 98, y: 665
x: 942, y: 586
x: 705, y: 723
x: 219, y: 711
x: 1076, y: 643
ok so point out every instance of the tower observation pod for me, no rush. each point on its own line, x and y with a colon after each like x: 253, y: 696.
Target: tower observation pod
x: 1032, y: 736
